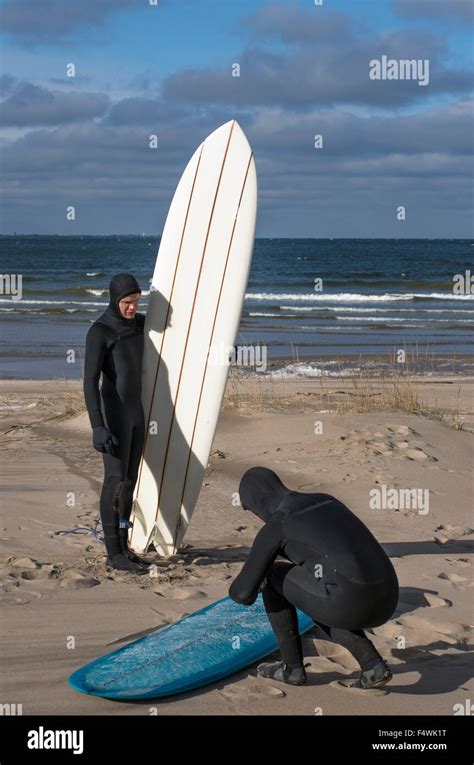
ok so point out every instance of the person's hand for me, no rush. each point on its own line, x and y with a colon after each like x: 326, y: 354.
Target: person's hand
x: 104, y: 441
x: 238, y: 596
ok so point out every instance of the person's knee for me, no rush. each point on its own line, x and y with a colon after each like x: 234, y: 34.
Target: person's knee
x: 107, y: 510
x: 111, y: 480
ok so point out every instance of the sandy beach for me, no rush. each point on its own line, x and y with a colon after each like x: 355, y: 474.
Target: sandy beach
x: 63, y: 607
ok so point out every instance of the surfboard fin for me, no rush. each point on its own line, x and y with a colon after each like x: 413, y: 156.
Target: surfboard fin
x: 163, y: 547
x: 137, y: 513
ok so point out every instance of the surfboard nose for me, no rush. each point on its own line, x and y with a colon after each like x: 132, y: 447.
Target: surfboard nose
x: 233, y: 127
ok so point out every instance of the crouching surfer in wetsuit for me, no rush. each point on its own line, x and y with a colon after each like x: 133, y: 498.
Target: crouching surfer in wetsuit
x: 114, y: 348
x: 335, y: 571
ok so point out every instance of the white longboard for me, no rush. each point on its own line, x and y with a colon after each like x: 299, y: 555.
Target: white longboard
x: 191, y: 324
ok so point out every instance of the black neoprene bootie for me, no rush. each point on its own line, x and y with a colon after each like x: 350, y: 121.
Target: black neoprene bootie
x: 122, y: 562
x: 123, y: 536
x: 286, y: 673
x: 374, y: 674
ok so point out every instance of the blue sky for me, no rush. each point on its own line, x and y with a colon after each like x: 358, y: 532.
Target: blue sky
x: 165, y: 69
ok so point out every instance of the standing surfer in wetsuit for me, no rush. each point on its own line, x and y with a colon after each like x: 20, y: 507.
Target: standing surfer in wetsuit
x: 335, y: 571
x: 114, y: 348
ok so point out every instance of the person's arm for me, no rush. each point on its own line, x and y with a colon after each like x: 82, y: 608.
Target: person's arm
x: 94, y: 357
x: 244, y: 589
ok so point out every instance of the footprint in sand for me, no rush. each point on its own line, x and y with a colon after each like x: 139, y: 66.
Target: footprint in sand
x: 407, y: 639
x: 23, y: 562
x: 24, y: 568
x: 417, y: 628
x: 381, y: 479
x: 405, y: 446
x: 14, y: 598
x: 416, y: 454
x: 380, y: 447
x: 15, y: 595
x: 436, y: 601
x: 391, y: 446
x: 349, y: 686
x: 76, y: 581
x: 410, y: 599
x: 461, y: 562
x: 428, y: 631
x: 401, y: 430
x: 34, y: 571
x: 43, y: 571
x: 447, y: 534
x: 179, y: 593
x: 456, y: 581
x: 243, y: 693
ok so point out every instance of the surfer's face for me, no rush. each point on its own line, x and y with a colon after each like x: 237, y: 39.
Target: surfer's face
x: 128, y: 306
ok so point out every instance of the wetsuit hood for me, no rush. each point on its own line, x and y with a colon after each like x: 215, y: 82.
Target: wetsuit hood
x: 120, y: 286
x: 261, y: 491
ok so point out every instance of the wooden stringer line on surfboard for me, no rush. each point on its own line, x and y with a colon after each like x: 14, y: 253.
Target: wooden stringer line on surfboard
x: 182, y: 519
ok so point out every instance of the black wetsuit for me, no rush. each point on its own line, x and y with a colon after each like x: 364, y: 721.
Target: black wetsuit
x: 114, y: 348
x: 335, y: 570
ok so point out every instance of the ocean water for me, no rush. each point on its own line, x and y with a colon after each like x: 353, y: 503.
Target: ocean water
x: 378, y: 296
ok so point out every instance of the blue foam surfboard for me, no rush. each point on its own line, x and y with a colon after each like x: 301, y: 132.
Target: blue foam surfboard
x: 202, y: 648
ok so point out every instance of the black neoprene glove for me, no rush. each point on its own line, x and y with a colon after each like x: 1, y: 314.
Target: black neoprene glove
x: 239, y: 597
x: 103, y: 440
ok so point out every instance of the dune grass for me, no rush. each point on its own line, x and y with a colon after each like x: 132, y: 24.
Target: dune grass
x: 364, y: 389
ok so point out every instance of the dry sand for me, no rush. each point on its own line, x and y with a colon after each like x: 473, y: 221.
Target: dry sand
x: 63, y: 607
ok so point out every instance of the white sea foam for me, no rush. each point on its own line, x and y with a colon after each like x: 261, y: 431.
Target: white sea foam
x: 53, y: 302
x: 80, y: 310
x: 260, y: 313
x: 312, y: 308
x: 308, y: 370
x: 354, y: 297
x: 390, y: 319
x: 372, y: 309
